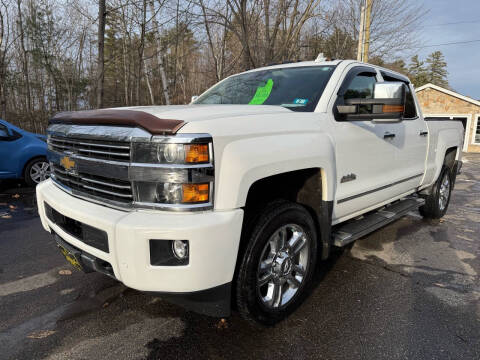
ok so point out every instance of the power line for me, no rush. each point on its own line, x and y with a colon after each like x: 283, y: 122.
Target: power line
x: 453, y: 23
x: 450, y: 43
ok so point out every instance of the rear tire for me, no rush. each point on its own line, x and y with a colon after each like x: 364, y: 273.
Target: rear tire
x: 37, y: 170
x: 278, y: 263
x: 436, y: 204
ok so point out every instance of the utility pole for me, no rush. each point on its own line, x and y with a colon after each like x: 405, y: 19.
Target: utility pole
x: 367, y: 30
x: 361, y: 31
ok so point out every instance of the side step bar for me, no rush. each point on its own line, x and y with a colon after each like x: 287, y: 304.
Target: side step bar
x: 355, y: 229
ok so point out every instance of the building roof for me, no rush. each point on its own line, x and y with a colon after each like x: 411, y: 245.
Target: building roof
x: 448, y: 92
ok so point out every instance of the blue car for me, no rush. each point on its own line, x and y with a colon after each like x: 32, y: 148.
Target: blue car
x: 22, y: 155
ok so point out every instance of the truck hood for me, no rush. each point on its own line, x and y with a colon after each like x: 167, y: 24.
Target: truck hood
x: 165, y: 120
x: 189, y: 113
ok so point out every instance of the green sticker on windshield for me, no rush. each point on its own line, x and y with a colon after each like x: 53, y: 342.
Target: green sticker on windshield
x: 262, y: 93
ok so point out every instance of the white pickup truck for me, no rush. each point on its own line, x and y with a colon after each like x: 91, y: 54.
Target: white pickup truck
x: 235, y: 198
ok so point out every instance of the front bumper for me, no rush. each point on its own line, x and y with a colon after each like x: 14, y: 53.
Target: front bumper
x: 213, y: 236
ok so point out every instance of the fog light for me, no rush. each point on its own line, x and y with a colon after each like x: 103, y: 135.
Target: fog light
x: 180, y: 249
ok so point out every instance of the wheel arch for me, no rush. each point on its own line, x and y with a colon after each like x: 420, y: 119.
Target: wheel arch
x: 450, y: 155
x: 446, y: 146
x: 306, y: 187
x: 241, y: 163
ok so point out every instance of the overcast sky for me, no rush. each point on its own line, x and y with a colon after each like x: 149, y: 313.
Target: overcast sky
x: 463, y: 59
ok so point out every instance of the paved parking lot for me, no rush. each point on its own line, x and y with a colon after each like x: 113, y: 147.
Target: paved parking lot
x: 410, y: 290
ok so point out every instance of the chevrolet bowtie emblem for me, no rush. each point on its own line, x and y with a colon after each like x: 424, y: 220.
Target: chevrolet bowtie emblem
x: 67, y: 163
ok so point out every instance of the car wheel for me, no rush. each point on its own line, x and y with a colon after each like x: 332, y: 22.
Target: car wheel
x: 277, y: 265
x: 436, y: 204
x: 36, y: 171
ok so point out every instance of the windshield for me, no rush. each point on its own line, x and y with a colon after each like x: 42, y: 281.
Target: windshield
x: 297, y: 88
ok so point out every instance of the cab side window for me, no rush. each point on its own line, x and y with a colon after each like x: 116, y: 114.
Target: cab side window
x: 361, y: 87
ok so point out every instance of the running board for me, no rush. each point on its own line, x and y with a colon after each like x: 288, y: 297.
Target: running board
x: 355, y: 229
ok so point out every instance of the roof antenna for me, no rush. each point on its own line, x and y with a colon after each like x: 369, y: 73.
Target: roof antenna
x: 320, y: 58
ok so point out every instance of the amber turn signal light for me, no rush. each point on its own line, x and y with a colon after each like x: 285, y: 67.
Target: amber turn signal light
x: 196, y: 153
x: 393, y: 108
x: 194, y: 193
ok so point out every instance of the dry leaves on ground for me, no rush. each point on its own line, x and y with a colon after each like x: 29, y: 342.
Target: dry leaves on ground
x: 40, y: 334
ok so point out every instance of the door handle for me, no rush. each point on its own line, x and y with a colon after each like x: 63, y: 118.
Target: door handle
x: 388, y: 136
x: 423, y: 133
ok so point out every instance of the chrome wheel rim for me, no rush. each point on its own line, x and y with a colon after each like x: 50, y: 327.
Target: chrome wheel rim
x: 40, y: 171
x: 444, y: 192
x: 283, y: 266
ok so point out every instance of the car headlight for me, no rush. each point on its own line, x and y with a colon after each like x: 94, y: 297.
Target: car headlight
x: 184, y: 172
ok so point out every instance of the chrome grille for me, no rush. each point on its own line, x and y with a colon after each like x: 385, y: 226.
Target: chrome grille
x: 102, y: 164
x: 96, y: 149
x: 98, y: 186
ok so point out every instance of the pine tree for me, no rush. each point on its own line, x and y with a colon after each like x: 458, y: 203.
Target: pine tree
x: 417, y: 72
x: 437, y: 69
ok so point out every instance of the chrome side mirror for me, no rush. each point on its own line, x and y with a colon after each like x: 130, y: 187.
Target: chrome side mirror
x: 388, y: 104
x: 194, y: 97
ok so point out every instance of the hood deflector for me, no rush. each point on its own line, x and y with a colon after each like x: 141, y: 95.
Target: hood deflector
x: 132, y: 118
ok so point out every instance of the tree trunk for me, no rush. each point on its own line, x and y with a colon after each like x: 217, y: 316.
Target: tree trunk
x: 3, y: 89
x: 141, y: 49
x: 210, y: 41
x: 267, y: 55
x: 102, y: 15
x: 147, y: 80
x: 240, y: 14
x: 163, y: 75
x: 25, y: 66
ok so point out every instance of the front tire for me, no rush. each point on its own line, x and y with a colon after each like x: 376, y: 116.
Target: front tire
x: 436, y: 204
x: 36, y: 171
x: 278, y: 263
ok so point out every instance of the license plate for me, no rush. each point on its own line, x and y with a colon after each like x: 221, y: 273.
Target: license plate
x: 69, y: 254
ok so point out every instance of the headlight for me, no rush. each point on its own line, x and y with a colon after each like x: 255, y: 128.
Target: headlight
x: 171, y: 153
x: 171, y: 193
x: 175, y: 174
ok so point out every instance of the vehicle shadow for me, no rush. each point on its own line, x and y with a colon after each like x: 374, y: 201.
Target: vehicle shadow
x: 205, y: 337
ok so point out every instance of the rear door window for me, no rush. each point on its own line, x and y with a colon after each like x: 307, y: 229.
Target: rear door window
x: 361, y: 87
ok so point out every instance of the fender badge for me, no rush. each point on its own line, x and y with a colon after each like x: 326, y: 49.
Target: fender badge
x: 67, y: 163
x: 349, y: 177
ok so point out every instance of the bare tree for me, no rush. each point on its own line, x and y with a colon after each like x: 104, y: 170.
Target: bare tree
x: 57, y: 55
x: 102, y: 15
x: 217, y: 48
x: 159, y: 52
x: 267, y: 31
x: 141, y: 48
x: 3, y: 58
x: 394, y: 24
x: 24, y: 62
